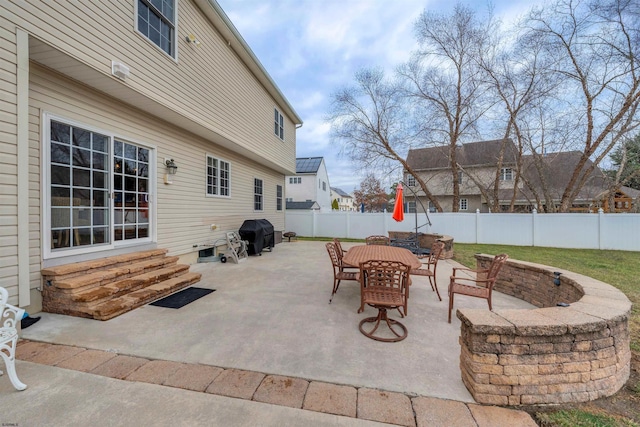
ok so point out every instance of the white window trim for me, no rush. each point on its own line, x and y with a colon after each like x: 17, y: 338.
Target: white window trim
x: 175, y: 31
x: 253, y: 199
x: 503, y: 174
x: 280, y: 119
x: 45, y: 209
x: 466, y: 204
x: 411, y: 180
x: 206, y: 165
x: 282, y: 202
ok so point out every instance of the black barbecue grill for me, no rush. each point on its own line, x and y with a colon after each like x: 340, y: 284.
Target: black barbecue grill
x: 259, y: 233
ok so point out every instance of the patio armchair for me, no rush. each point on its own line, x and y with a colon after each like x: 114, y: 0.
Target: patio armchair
x: 481, y: 286
x: 341, y: 253
x: 339, y: 273
x: 383, y: 285
x: 377, y: 240
x: 9, y: 318
x: 428, y: 268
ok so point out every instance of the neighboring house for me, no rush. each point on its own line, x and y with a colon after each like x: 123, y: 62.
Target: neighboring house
x: 310, y: 183
x: 345, y: 201
x: 303, y: 206
x: 478, y: 162
x: 100, y: 101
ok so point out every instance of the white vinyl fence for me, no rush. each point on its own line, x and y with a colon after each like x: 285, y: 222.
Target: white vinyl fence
x: 559, y: 230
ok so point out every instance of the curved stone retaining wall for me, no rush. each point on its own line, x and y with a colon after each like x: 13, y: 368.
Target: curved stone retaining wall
x: 551, y: 354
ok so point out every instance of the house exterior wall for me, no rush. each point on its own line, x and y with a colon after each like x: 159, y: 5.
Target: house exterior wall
x: 311, y: 188
x: 211, y: 88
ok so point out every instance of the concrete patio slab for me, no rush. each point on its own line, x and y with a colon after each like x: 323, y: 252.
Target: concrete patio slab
x: 270, y: 314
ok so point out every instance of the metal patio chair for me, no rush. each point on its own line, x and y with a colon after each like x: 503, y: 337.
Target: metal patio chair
x: 428, y: 268
x: 339, y: 273
x: 9, y: 318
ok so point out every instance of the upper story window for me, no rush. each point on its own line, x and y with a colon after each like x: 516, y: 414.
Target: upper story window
x: 324, y: 186
x: 506, y: 174
x: 278, y: 124
x: 464, y: 204
x: 295, y: 180
x: 156, y: 20
x: 218, y: 177
x: 257, y: 194
x: 460, y: 175
x: 411, y: 181
x: 278, y: 197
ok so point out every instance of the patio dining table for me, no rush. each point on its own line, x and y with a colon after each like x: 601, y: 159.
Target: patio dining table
x: 362, y: 253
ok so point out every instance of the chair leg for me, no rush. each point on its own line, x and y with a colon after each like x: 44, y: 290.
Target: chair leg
x: 382, y: 315
x: 9, y: 361
x: 489, y: 301
x: 451, y: 294
x: 336, y: 284
x: 434, y: 286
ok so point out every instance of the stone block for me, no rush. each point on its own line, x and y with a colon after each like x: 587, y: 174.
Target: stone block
x: 576, y: 367
x: 119, y: 367
x: 532, y: 323
x: 87, y: 360
x: 283, y: 391
x: 438, y: 412
x: 55, y: 354
x: 26, y: 350
x: 236, y: 383
x: 555, y: 368
x: 194, y: 377
x: 517, y: 349
x: 542, y: 348
x: 490, y: 399
x: 331, y: 399
x: 385, y: 407
x: 504, y: 379
x: 521, y: 369
x: 154, y: 372
x: 510, y: 359
x: 582, y: 346
x: 530, y: 389
x: 492, y: 416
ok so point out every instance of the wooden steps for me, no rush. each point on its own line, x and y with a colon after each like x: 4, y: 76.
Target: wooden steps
x: 105, y: 288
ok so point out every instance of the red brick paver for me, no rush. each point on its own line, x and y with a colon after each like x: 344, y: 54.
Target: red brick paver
x: 331, y: 399
x: 385, y: 406
x: 119, y: 367
x: 236, y: 383
x: 87, y: 360
x: 26, y: 350
x: 55, y: 354
x: 193, y: 377
x: 154, y: 372
x: 284, y: 391
x: 439, y: 412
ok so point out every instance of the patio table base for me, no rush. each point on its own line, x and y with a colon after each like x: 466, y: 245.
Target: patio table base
x: 382, y: 315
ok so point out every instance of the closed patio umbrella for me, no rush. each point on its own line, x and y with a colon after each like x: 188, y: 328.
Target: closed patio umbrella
x: 398, y: 207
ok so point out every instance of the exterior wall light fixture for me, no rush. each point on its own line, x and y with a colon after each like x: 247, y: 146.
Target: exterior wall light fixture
x: 172, y: 168
x: 192, y: 39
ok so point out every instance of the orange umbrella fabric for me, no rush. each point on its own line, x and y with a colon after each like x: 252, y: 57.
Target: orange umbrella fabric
x: 398, y: 207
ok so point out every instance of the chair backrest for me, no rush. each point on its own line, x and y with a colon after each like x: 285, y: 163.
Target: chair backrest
x: 339, y: 249
x: 387, y: 277
x: 377, y: 240
x: 494, y: 268
x: 436, y: 251
x: 333, y: 255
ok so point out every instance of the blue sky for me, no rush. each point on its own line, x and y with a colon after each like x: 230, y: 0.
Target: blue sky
x: 311, y: 48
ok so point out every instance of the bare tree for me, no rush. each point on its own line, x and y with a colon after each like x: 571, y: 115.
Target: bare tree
x: 371, y: 194
x: 443, y: 80
x: 595, y: 49
x: 370, y: 120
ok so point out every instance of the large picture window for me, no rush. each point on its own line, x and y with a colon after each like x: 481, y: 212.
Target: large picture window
x: 156, y: 20
x: 218, y: 177
x: 98, y: 189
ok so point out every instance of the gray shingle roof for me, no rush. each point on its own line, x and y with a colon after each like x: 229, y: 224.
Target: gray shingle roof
x: 340, y: 192
x: 302, y: 205
x: 472, y: 154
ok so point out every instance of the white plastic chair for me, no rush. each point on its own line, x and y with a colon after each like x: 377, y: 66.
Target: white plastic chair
x: 9, y: 317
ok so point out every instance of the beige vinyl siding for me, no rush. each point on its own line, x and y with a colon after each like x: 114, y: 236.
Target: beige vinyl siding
x: 184, y: 212
x: 208, y: 84
x: 8, y: 162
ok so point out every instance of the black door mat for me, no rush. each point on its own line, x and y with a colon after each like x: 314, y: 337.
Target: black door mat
x: 182, y: 298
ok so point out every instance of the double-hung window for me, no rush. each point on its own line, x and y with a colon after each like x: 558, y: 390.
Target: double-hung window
x: 257, y: 194
x: 411, y: 181
x: 295, y: 180
x: 218, y: 177
x: 464, y: 204
x: 156, y: 20
x: 278, y: 124
x: 278, y: 197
